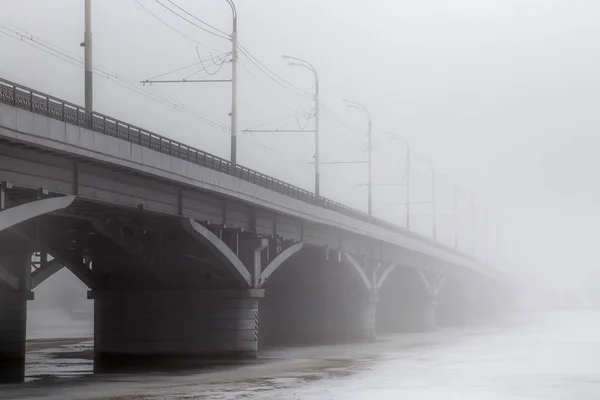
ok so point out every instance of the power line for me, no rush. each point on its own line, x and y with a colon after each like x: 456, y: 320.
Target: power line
x: 213, y: 62
x: 38, y: 43
x: 273, y: 76
x: 192, y: 22
x: 162, y: 21
x: 277, y: 98
x: 56, y: 52
x: 190, y: 66
x: 198, y: 19
x: 285, y: 118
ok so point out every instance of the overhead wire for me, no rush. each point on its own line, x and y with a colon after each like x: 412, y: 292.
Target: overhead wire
x: 274, y: 76
x: 188, y: 66
x: 165, y: 23
x: 279, y: 99
x: 63, y: 55
x: 48, y: 48
x: 287, y: 117
x: 192, y: 22
x: 204, y: 67
x: 199, y: 20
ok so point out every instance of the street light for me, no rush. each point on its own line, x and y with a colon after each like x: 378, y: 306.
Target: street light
x: 298, y: 62
x: 455, y: 215
x: 433, y: 206
x: 358, y: 106
x: 234, y: 59
x: 88, y: 67
x: 398, y: 137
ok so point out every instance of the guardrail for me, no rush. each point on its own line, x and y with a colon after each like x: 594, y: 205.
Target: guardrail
x: 50, y: 106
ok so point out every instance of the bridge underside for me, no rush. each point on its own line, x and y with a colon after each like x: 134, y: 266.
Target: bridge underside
x: 316, y: 299
x: 169, y: 287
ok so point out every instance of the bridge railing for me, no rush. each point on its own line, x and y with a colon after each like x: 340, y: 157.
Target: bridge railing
x: 50, y: 106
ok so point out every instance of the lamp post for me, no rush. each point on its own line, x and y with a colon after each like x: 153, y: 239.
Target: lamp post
x: 433, y: 205
x: 359, y: 106
x: 298, y: 62
x: 455, y: 215
x: 473, y: 226
x: 87, y: 46
x: 234, y: 60
x: 406, y: 144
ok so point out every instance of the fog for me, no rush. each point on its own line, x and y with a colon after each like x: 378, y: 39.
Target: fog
x: 500, y: 95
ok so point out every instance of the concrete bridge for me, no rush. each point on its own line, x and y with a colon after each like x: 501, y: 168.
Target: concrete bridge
x: 186, y: 254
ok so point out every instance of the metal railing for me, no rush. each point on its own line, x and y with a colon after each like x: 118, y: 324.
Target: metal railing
x: 40, y: 103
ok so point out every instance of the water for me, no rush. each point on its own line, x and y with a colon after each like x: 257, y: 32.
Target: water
x: 552, y: 356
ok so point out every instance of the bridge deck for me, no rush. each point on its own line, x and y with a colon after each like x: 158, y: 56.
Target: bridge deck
x: 48, y: 106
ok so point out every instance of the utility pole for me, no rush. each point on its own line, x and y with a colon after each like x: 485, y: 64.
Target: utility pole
x: 233, y: 80
x: 358, y: 106
x: 434, y: 205
x: 317, y: 150
x: 298, y: 62
x: 433, y: 198
x: 234, y: 60
x: 407, y: 145
x: 486, y: 242
x: 87, y: 45
x: 370, y: 168
x: 407, y: 186
x: 455, y: 216
x: 473, y: 228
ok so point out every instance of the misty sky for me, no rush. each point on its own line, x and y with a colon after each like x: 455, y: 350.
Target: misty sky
x: 501, y: 95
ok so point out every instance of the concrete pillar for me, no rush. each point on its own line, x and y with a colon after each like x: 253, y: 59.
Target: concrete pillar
x: 174, y: 325
x: 13, y: 316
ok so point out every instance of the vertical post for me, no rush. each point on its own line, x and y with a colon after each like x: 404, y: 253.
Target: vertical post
x: 257, y: 267
x: 234, y: 59
x: 305, y: 64
x: 455, y: 216
x: 473, y: 223
x: 87, y: 44
x: 16, y: 259
x: 317, y: 151
x: 4, y: 186
x: 2, y: 197
x: 370, y: 169
x: 486, y: 238
x: 433, y: 205
x: 358, y: 106
x: 407, y: 186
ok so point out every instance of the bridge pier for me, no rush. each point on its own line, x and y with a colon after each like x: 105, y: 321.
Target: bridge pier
x: 14, y: 293
x: 174, y: 325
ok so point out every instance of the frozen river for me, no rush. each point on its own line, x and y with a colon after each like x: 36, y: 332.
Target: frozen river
x: 551, y: 356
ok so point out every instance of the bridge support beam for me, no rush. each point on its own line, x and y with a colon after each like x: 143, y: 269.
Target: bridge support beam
x: 13, y: 313
x: 174, y: 325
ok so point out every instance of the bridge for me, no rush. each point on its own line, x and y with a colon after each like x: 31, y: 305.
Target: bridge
x: 186, y: 254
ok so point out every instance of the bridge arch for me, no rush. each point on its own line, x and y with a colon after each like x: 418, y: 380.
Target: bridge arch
x: 315, y: 299
x: 405, y: 302
x: 279, y: 261
x: 220, y: 250
x: 451, y: 303
x: 24, y: 212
